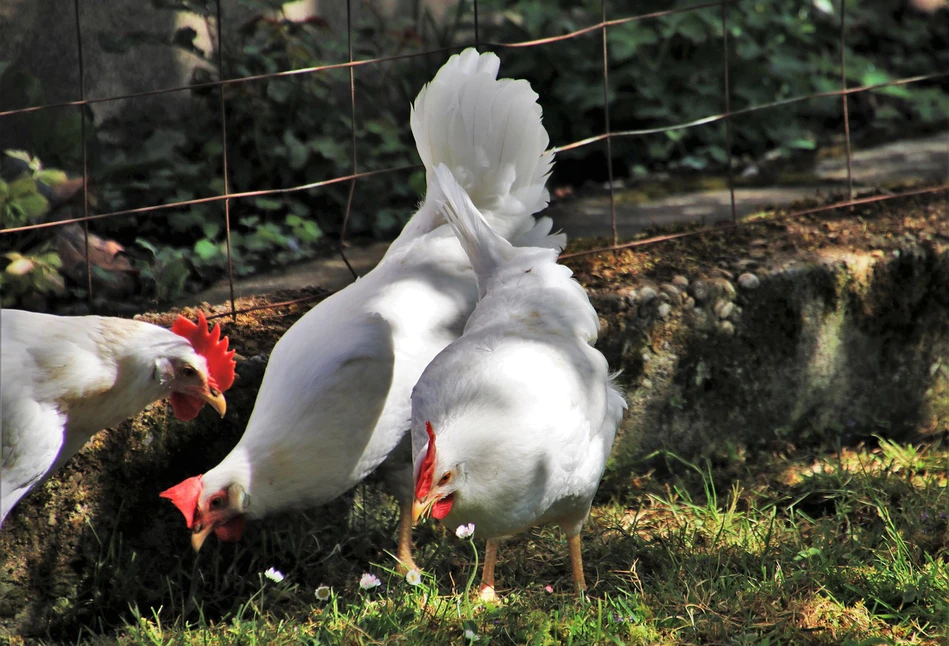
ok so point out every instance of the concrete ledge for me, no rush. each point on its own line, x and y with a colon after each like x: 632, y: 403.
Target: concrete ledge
x: 845, y: 345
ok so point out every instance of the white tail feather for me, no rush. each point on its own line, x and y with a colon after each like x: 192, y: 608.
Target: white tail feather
x: 488, y: 132
x: 540, y: 236
x: 485, y: 249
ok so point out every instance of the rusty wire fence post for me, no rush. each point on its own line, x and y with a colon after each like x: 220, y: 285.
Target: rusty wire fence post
x: 352, y: 115
x: 606, y: 120
x: 224, y: 168
x: 728, y: 109
x: 844, y: 97
x: 85, y: 155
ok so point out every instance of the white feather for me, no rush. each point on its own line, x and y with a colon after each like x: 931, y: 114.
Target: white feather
x: 522, y: 401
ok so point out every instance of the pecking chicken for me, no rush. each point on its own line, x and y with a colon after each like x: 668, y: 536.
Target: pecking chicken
x: 512, y: 423
x: 335, y: 400
x: 66, y: 378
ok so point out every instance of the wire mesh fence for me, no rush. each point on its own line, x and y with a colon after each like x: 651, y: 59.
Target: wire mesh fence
x: 607, y: 137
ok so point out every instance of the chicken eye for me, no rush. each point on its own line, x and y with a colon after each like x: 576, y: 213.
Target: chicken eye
x: 188, y: 372
x: 216, y: 502
x: 445, y: 479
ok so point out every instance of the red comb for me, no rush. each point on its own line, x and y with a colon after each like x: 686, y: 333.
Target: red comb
x: 425, y: 474
x: 212, y: 347
x: 185, y: 496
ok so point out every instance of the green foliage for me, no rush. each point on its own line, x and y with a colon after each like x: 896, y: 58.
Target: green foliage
x: 281, y: 133
x: 33, y: 268
x: 669, y: 70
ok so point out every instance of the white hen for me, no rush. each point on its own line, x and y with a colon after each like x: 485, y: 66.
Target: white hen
x: 512, y: 424
x: 335, y: 400
x: 65, y: 378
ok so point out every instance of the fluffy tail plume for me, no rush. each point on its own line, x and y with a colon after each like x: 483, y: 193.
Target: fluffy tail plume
x: 488, y: 132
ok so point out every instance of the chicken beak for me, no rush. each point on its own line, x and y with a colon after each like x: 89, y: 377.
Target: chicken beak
x: 420, y: 509
x: 199, y: 536
x: 215, y: 400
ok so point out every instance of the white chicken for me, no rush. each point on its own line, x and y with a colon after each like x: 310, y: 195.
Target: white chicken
x: 512, y: 424
x: 63, y: 379
x: 335, y: 399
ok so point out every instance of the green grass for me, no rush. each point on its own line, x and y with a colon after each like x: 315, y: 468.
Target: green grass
x: 844, y: 547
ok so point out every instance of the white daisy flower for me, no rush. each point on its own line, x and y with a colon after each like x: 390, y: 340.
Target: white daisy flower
x: 323, y: 593
x: 464, y: 531
x: 274, y: 575
x: 413, y: 577
x: 369, y: 581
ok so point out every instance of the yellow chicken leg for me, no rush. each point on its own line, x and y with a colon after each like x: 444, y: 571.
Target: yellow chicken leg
x: 576, y: 562
x: 487, y: 574
x: 404, y: 550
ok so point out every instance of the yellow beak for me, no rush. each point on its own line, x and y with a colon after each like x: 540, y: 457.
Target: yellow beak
x: 198, y: 537
x: 421, y: 510
x: 215, y: 400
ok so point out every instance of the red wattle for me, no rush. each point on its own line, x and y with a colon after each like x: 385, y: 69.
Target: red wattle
x: 231, y: 531
x: 185, y: 407
x: 441, y: 508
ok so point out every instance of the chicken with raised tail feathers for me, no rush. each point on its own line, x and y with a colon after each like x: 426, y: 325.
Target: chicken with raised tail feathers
x: 335, y: 400
x: 512, y: 424
x: 63, y: 379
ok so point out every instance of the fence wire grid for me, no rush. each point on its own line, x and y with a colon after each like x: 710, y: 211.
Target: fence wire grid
x: 607, y: 136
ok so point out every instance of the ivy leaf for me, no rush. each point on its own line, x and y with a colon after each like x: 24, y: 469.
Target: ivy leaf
x: 32, y: 206
x: 172, y: 278
x: 20, y: 267
x: 145, y: 244
x: 297, y: 151
x: 22, y: 155
x: 51, y: 176
x: 22, y: 187
x: 802, y: 144
x: 205, y: 249
x: 267, y: 203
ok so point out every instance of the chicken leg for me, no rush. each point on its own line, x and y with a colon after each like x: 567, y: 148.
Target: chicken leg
x: 487, y: 574
x: 576, y: 562
x: 404, y: 551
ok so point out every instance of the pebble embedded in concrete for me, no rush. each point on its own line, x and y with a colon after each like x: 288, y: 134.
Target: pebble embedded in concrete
x: 673, y: 293
x: 699, y: 291
x: 748, y: 281
x: 723, y: 286
x: 723, y: 309
x: 631, y: 296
